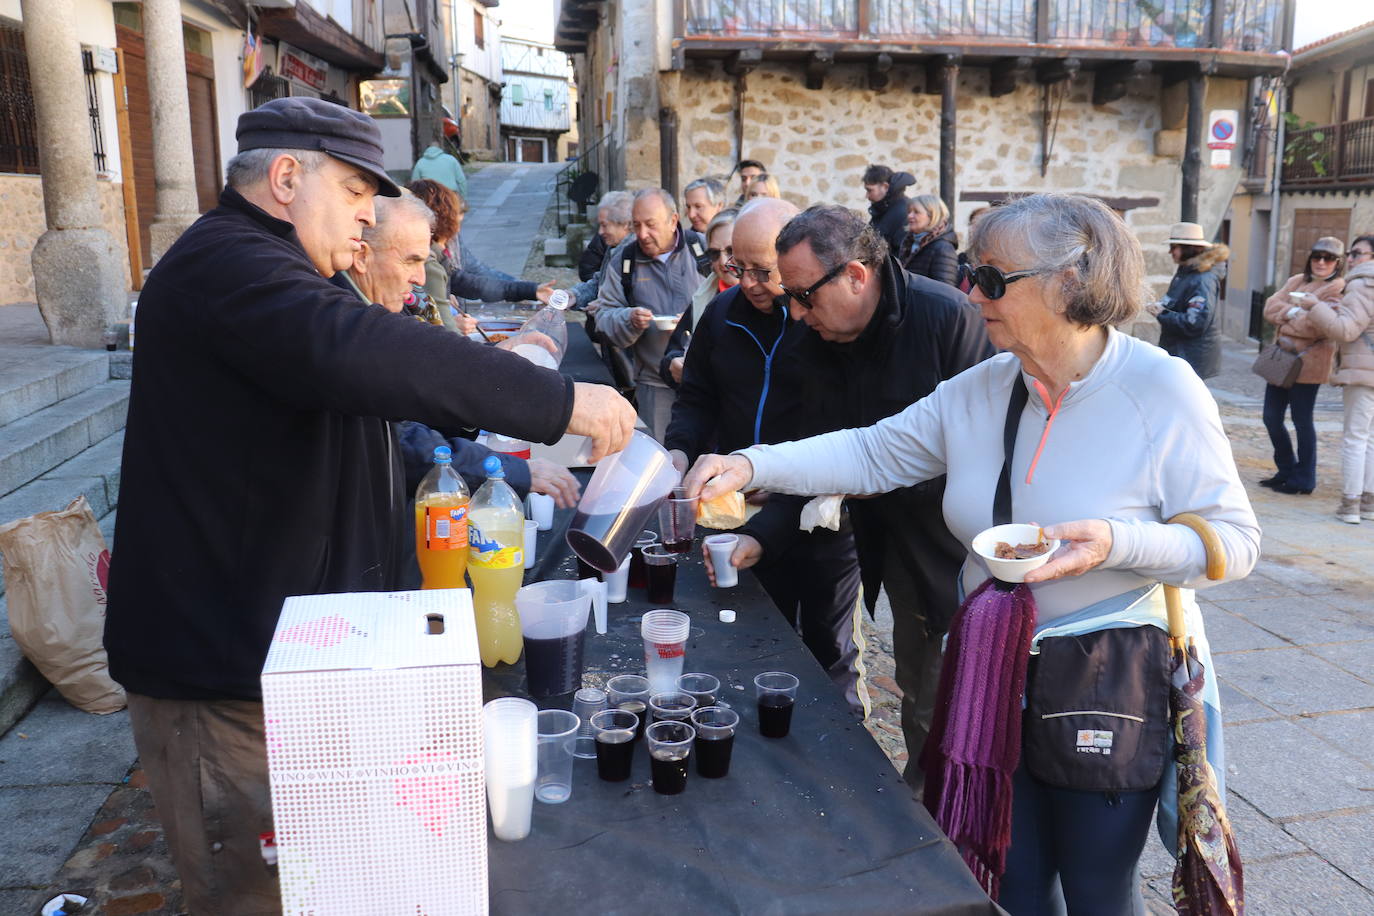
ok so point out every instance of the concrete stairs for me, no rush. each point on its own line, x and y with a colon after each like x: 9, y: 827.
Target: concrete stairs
x: 61, y: 435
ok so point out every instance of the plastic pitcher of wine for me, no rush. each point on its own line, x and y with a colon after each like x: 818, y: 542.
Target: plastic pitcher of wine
x: 553, y: 621
x: 620, y: 499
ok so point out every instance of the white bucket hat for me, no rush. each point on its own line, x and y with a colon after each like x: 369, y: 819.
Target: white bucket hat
x: 1187, y: 234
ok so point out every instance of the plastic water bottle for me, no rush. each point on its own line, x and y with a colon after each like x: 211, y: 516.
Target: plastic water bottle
x: 496, y: 565
x: 441, y: 524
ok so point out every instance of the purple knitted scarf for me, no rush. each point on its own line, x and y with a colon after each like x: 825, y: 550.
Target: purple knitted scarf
x: 975, y: 737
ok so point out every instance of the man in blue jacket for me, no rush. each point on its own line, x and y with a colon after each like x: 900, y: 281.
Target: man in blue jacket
x: 257, y: 465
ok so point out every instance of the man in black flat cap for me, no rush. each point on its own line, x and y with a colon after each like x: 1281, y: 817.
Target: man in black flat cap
x: 259, y: 463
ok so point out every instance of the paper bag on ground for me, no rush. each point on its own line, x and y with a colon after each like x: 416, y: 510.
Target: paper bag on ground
x: 56, y: 566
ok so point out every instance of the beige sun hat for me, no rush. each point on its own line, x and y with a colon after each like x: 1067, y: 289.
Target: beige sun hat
x: 1187, y: 234
x: 1330, y: 245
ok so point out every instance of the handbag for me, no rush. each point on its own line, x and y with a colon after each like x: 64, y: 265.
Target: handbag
x: 1278, y: 366
x: 1097, y: 704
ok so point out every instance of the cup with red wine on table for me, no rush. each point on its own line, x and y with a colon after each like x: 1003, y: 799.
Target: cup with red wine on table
x: 777, y: 695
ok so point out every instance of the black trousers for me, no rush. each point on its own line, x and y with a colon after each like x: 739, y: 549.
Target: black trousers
x: 816, y: 586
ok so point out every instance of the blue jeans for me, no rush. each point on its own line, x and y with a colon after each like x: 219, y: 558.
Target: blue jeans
x: 1075, y: 852
x: 1300, y: 470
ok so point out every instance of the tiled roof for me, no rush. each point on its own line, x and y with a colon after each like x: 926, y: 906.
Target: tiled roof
x: 1330, y: 38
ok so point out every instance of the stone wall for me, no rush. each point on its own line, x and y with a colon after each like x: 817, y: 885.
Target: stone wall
x: 817, y: 143
x: 480, y: 135
x: 21, y: 202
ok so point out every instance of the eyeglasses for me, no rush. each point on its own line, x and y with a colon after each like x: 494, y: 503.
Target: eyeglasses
x: 1360, y: 253
x: 803, y: 296
x: 1325, y: 256
x: 758, y: 274
x: 991, y: 282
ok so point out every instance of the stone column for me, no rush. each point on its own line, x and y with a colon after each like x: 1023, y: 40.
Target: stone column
x: 77, y: 271
x: 177, y: 206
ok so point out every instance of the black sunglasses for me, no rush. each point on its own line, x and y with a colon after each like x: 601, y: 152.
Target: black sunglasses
x: 803, y: 296
x: 1325, y: 256
x: 991, y: 282
x: 712, y: 254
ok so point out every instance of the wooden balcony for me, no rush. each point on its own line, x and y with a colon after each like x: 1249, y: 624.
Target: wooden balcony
x: 1330, y: 157
x: 1227, y: 37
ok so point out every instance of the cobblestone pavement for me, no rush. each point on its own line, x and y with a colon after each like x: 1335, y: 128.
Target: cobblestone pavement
x: 1294, y: 646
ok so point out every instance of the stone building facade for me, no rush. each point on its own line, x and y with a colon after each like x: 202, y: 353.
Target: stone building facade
x: 817, y: 104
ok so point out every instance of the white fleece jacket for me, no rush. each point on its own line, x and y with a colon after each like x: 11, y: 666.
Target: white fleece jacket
x: 1135, y: 442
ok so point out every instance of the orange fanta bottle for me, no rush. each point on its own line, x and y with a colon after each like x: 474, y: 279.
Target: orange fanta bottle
x: 441, y: 524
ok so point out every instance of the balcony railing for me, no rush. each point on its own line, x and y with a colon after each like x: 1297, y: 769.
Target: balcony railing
x: 1332, y: 154
x: 1245, y: 25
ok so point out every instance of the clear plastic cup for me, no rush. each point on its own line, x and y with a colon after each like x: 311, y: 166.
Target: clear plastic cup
x: 553, y: 620
x: 721, y: 547
x: 777, y: 695
x: 531, y: 542
x: 704, y: 688
x: 670, y: 744
x: 587, y: 702
x: 620, y: 498
x: 509, y: 741
x: 637, y: 574
x: 630, y: 692
x: 660, y: 573
x: 677, y: 520
x: 540, y: 508
x: 618, y: 582
x: 715, y: 726
x: 614, y: 732
x: 675, y: 706
x: 665, y: 647
x: 557, y: 736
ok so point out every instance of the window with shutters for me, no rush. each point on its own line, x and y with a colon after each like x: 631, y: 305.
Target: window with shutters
x: 477, y: 34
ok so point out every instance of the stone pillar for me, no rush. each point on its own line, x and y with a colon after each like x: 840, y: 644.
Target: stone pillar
x: 77, y: 271
x: 177, y: 206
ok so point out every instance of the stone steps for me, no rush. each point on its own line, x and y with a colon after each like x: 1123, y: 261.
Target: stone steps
x: 61, y: 436
x: 35, y: 444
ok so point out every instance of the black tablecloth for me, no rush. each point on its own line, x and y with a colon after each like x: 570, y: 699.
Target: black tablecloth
x: 818, y: 822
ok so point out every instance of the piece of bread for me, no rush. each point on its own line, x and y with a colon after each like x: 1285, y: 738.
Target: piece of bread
x: 723, y: 512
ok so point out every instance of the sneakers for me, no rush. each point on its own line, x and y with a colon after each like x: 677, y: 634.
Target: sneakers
x: 1367, y: 506
x: 1349, y: 511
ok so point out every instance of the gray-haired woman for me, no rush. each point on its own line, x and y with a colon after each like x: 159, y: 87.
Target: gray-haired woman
x: 1114, y: 438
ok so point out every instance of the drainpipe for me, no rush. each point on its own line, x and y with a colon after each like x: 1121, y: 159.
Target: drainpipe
x: 667, y: 150
x: 1192, y: 155
x: 1274, y: 214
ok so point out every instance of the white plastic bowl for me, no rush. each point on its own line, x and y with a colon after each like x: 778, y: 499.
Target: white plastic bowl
x: 666, y: 322
x: 985, y: 545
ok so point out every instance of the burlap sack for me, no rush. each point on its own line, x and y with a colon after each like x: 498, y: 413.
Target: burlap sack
x: 56, y: 566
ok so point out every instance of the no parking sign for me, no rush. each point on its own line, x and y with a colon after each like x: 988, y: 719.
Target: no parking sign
x: 1223, y: 128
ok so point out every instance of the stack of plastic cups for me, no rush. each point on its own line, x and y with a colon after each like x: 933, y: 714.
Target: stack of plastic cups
x: 510, y: 736
x: 665, y: 647
x: 587, y: 702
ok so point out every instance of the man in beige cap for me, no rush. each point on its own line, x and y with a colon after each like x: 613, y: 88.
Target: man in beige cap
x: 1187, y: 313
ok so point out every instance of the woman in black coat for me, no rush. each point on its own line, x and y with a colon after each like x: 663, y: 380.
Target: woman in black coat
x: 930, y: 248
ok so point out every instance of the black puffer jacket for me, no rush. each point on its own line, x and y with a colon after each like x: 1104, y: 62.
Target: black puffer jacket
x: 921, y: 333
x: 889, y: 214
x: 935, y: 256
x: 1188, y: 325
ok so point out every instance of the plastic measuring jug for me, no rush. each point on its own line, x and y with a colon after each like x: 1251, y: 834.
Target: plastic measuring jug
x: 619, y: 501
x: 553, y: 620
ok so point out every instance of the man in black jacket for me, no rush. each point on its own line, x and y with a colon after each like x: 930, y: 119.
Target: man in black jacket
x: 743, y: 384
x: 886, y: 193
x: 257, y: 465
x: 880, y: 339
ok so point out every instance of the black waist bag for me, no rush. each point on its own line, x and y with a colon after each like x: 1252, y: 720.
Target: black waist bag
x: 1097, y: 715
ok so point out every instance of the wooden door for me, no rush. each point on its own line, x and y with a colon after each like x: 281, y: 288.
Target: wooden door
x: 531, y: 150
x: 1310, y: 225
x: 200, y: 85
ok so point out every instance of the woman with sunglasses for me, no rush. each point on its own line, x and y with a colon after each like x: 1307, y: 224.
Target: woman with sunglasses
x: 1320, y: 281
x: 1110, y: 437
x: 719, y: 232
x: 1351, y: 322
x: 1188, y: 312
